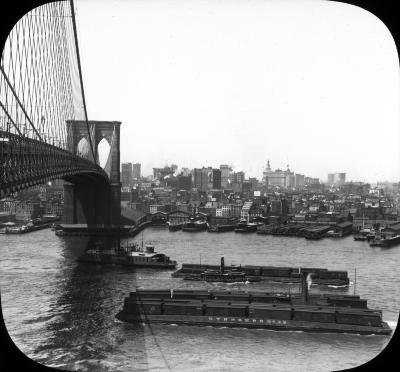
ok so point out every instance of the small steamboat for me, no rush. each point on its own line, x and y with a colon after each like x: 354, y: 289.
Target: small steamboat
x: 233, y: 274
x: 320, y: 276
x: 132, y: 255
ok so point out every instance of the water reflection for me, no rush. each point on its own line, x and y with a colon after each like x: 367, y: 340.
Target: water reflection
x: 88, y: 295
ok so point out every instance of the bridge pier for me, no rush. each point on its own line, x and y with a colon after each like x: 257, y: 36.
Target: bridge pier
x: 115, y: 203
x: 69, y: 216
x: 91, y: 202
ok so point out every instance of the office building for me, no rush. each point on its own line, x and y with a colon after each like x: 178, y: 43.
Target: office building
x: 226, y: 171
x: 126, y: 174
x: 136, y: 171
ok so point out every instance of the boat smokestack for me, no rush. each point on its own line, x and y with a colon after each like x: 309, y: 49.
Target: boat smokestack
x: 304, y: 287
x: 222, y: 268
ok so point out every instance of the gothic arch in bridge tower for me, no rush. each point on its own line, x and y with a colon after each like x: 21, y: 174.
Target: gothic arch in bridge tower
x: 103, y: 151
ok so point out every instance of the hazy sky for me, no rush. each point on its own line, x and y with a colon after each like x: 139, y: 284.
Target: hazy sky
x: 312, y: 84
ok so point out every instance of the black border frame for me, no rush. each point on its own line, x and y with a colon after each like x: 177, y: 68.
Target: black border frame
x: 12, y: 359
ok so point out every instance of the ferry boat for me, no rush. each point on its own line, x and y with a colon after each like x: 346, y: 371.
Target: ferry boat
x: 194, y: 225
x: 276, y: 311
x: 132, y: 255
x: 244, y: 226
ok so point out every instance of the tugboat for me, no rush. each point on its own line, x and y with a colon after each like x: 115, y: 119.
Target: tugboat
x: 276, y: 274
x: 132, y: 255
x: 277, y: 311
x: 194, y: 225
x: 233, y: 275
x: 244, y: 226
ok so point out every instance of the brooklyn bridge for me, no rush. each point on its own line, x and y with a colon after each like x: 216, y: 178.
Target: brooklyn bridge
x: 45, y: 133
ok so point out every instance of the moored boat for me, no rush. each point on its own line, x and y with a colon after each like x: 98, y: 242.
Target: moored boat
x: 385, y: 242
x: 174, y: 226
x: 221, y: 228
x: 245, y: 226
x: 360, y: 237
x: 194, y: 225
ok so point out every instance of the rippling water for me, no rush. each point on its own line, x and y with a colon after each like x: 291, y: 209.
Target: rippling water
x: 61, y: 313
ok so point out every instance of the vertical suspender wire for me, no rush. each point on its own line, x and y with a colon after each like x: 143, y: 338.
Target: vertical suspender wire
x: 70, y: 113
x: 80, y: 77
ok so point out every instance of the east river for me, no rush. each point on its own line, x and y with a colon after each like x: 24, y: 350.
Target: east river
x: 61, y: 313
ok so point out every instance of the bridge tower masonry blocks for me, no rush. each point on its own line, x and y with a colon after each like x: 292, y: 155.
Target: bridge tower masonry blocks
x: 91, y: 199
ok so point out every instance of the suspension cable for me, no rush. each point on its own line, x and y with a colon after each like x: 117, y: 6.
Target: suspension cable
x: 80, y: 77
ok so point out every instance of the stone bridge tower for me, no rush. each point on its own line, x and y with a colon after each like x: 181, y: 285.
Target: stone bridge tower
x: 91, y: 198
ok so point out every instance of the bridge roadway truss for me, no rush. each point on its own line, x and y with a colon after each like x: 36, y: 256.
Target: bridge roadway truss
x: 26, y: 162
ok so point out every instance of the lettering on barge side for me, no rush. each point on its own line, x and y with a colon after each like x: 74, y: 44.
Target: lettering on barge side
x: 260, y: 321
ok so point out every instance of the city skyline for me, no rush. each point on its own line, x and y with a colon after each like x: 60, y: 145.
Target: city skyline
x: 180, y: 170
x: 273, y: 88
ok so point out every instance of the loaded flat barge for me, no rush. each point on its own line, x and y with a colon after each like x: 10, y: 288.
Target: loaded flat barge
x: 320, y: 276
x: 345, y: 314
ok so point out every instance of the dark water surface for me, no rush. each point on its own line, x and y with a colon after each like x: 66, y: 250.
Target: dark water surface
x: 61, y: 313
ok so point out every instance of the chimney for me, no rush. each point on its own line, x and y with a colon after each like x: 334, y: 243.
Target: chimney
x: 304, y: 287
x: 222, y: 268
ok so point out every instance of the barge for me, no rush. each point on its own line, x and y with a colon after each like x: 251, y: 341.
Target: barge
x: 253, y: 310
x: 92, y: 230
x: 320, y: 276
x: 221, y: 228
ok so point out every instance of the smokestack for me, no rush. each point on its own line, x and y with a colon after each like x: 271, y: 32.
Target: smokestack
x: 304, y: 288
x: 222, y: 265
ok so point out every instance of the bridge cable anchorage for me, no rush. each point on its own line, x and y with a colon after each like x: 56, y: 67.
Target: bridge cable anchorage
x: 80, y: 77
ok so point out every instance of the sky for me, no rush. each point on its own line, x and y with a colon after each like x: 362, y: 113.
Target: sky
x: 309, y: 84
